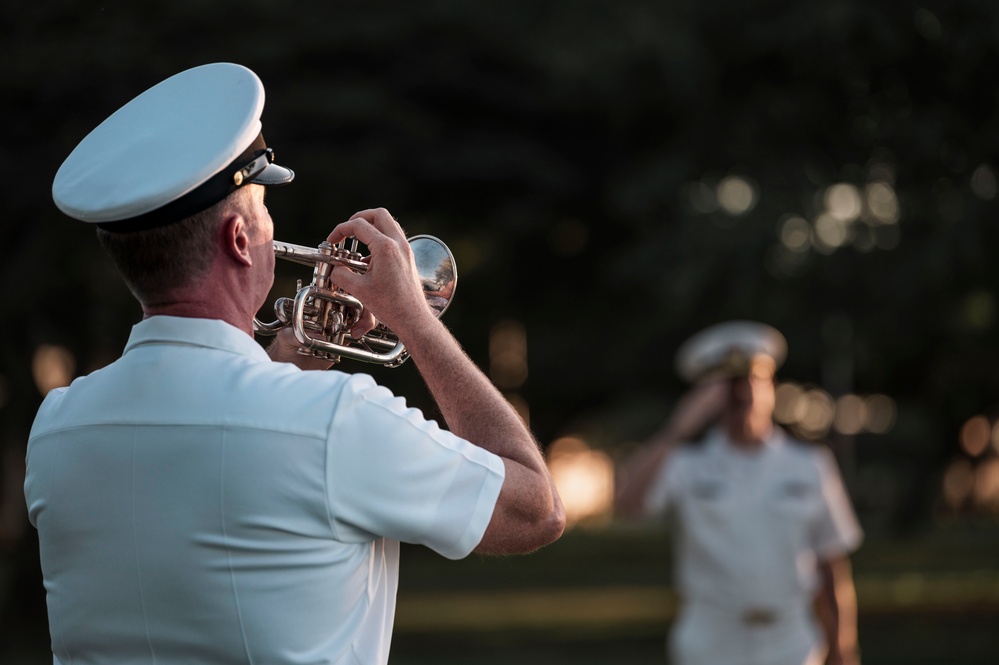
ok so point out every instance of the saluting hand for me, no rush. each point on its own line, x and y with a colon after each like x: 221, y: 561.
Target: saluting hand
x: 700, y: 406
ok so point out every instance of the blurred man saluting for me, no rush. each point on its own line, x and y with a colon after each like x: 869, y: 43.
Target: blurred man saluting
x: 763, y: 525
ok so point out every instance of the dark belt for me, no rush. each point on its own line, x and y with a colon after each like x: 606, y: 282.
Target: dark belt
x: 758, y: 616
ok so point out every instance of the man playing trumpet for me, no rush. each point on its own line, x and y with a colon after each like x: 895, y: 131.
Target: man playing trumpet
x: 197, y: 502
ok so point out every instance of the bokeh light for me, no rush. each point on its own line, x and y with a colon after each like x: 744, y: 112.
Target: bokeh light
x: 975, y: 435
x: 986, y: 486
x: 812, y: 412
x: 52, y: 366
x: 843, y: 202
x: 736, y: 195
x: 983, y: 182
x: 851, y: 414
x: 794, y: 233
x: 846, y: 215
x: 584, y: 478
x: 881, y: 412
x: 979, y: 309
x: 881, y: 203
x: 818, y: 413
x: 958, y: 480
x: 831, y: 233
x: 971, y: 481
x: 508, y: 354
x: 786, y: 408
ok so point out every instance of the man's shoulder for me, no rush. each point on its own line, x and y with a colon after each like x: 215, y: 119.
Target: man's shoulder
x: 815, y: 454
x: 301, y: 394
x: 692, y: 451
x: 226, y: 390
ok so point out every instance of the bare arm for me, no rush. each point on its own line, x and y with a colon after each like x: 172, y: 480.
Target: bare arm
x: 836, y: 609
x: 637, y: 474
x: 528, y: 512
x: 697, y: 408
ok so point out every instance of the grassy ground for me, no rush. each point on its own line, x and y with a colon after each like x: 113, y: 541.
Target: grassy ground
x: 603, y: 598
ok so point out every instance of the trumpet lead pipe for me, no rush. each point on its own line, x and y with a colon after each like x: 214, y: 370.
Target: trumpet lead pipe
x: 308, y: 256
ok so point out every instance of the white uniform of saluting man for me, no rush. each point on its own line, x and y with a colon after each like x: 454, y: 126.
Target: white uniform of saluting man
x: 762, y: 523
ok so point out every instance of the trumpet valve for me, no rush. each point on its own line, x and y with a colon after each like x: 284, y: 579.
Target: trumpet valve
x: 334, y: 323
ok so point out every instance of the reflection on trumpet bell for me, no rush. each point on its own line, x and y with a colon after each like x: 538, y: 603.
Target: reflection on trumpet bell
x: 321, y: 314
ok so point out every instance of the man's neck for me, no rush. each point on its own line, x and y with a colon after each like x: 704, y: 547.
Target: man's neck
x: 200, y: 306
x: 749, y: 435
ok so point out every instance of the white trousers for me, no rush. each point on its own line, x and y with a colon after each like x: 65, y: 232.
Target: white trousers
x: 708, y: 635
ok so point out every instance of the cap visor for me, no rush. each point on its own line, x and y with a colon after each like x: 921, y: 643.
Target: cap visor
x: 273, y: 175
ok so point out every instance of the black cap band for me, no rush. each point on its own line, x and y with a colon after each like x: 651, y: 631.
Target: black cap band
x: 202, y: 197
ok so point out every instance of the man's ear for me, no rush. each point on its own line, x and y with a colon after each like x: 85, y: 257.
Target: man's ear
x: 236, y: 239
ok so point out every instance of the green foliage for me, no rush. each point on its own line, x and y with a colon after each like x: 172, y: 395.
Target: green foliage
x: 560, y: 148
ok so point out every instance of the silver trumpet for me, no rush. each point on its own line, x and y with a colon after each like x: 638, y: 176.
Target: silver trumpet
x: 321, y: 314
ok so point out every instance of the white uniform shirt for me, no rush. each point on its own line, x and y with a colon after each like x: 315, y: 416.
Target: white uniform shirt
x: 751, y: 524
x: 197, y: 503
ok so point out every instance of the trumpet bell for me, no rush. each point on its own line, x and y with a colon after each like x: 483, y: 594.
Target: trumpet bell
x: 321, y: 314
x: 435, y: 265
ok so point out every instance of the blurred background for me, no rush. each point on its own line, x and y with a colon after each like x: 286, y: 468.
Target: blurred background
x: 611, y: 177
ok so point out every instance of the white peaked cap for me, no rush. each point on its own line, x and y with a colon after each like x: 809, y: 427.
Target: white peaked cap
x: 730, y: 347
x: 176, y: 149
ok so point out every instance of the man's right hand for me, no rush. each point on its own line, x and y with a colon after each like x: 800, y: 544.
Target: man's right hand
x: 697, y: 408
x: 390, y: 288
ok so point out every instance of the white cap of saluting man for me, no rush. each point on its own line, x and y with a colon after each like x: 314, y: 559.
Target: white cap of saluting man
x: 730, y: 349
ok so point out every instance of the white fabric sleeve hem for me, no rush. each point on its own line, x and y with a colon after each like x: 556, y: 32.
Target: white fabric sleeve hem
x: 842, y: 546
x: 657, y: 496
x: 392, y: 473
x: 481, y: 515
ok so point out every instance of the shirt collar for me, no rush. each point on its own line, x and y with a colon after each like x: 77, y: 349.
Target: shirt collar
x: 207, y: 333
x: 719, y: 441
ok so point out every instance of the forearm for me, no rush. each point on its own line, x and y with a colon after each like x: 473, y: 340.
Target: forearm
x: 847, y: 647
x: 637, y: 476
x: 471, y: 405
x: 476, y: 411
x: 838, y: 599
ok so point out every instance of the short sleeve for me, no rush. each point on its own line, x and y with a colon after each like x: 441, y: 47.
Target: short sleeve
x: 662, y: 490
x: 837, y: 530
x: 392, y: 473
